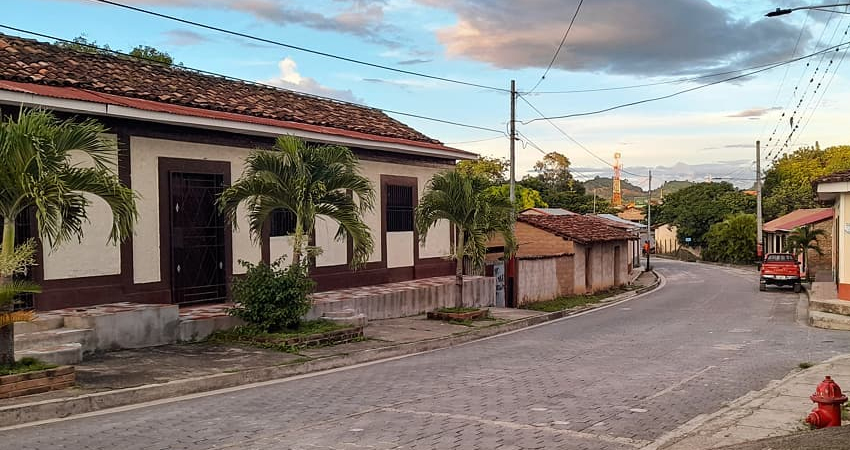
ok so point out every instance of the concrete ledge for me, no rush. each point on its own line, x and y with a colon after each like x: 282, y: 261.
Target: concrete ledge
x: 63, y: 407
x: 832, y: 306
x: 829, y: 321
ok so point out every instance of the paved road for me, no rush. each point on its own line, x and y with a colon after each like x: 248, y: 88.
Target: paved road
x: 613, y: 379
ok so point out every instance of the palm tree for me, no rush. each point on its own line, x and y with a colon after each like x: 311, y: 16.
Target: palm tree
x: 37, y: 174
x: 475, y: 215
x: 804, y: 239
x: 308, y: 181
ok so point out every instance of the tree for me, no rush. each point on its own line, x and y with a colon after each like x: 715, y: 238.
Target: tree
x: 525, y: 197
x: 554, y: 171
x: 476, y: 217
x: 804, y: 239
x: 37, y: 173
x: 489, y: 170
x: 788, y: 183
x: 307, y: 180
x: 696, y: 208
x: 733, y: 240
x: 151, y: 54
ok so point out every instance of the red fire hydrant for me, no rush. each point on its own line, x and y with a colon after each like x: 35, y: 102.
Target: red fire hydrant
x: 829, y: 398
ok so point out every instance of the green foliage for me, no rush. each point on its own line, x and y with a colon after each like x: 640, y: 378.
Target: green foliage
x: 309, y: 180
x: 284, y: 340
x: 804, y: 239
x: 696, y: 208
x: 788, y: 183
x: 477, y: 216
x: 491, y: 171
x: 25, y: 365
x: 83, y: 44
x: 151, y: 54
x: 270, y: 298
x: 732, y: 241
x: 525, y: 197
x: 573, y: 301
x: 558, y: 189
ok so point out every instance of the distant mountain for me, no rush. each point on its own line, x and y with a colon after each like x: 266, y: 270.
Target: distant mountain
x: 605, y: 188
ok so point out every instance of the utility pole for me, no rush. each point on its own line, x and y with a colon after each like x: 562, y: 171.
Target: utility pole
x: 649, y: 222
x: 594, y: 200
x: 513, y: 141
x: 759, y: 248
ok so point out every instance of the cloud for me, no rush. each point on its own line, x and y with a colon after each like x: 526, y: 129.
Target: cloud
x: 290, y: 78
x: 633, y: 37
x: 409, y: 62
x: 754, y: 112
x: 185, y: 37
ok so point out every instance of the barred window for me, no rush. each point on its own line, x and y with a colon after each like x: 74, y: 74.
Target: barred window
x: 283, y: 223
x: 399, y: 208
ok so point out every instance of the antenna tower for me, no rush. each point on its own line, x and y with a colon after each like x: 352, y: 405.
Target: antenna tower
x: 617, y: 197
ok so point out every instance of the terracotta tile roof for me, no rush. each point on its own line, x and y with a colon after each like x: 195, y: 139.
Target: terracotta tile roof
x: 836, y: 177
x: 798, y: 218
x: 33, y: 62
x: 582, y: 229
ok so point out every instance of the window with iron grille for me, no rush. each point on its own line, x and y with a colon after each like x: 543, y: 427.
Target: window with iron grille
x: 283, y: 223
x: 399, y: 208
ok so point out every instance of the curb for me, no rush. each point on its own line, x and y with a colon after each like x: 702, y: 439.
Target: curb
x: 16, y: 415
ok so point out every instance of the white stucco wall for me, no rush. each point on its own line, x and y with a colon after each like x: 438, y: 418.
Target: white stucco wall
x: 93, y: 255
x: 334, y: 252
x: 842, y: 220
x: 280, y: 246
x: 144, y: 176
x: 400, y: 249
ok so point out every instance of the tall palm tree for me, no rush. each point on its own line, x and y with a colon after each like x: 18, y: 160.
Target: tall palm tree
x: 476, y: 215
x: 37, y: 173
x: 804, y: 239
x: 308, y: 181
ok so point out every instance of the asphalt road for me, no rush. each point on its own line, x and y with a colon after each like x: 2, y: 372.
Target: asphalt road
x: 613, y: 379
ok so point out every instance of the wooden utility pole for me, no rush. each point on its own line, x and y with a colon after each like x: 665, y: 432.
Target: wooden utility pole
x: 759, y: 247
x: 649, y: 222
x: 513, y: 141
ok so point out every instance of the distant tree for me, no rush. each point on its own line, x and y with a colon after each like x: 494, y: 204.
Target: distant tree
x: 554, y: 171
x: 525, y: 197
x: 732, y: 241
x: 486, y: 168
x: 151, y: 54
x: 788, y: 182
x: 83, y: 44
x: 696, y: 208
x: 803, y: 239
x: 557, y: 187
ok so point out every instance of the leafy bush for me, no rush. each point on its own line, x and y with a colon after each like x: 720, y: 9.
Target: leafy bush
x: 270, y: 298
x: 732, y: 241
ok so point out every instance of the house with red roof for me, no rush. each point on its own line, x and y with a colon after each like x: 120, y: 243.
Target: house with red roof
x: 560, y: 255
x: 776, y: 234
x: 834, y: 189
x: 182, y: 136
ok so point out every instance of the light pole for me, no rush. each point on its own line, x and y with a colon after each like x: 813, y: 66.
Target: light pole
x: 784, y: 11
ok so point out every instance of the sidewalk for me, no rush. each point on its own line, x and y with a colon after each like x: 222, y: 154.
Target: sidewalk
x: 778, y: 410
x: 127, y: 377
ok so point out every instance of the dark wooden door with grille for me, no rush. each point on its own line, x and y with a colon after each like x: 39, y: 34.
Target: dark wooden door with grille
x: 198, y: 260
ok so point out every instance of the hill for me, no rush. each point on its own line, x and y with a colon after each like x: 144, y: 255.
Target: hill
x: 670, y: 187
x: 604, y: 186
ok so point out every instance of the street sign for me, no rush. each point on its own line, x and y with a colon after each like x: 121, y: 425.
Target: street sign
x: 687, y: 239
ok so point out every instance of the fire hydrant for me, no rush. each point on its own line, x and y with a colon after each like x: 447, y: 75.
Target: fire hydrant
x: 829, y: 398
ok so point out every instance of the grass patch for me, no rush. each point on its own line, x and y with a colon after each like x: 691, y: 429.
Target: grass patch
x: 274, y: 341
x: 805, y: 365
x: 25, y: 365
x: 572, y: 301
x: 457, y: 309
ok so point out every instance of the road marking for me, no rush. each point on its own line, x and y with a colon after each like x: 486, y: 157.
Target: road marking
x: 636, y: 443
x: 680, y: 383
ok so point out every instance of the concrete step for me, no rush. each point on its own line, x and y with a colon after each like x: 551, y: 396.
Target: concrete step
x: 39, y: 324
x: 54, y: 338
x: 829, y: 321
x: 833, y: 306
x: 63, y: 354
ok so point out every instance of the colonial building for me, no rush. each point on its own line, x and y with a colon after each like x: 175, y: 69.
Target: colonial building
x: 180, y: 137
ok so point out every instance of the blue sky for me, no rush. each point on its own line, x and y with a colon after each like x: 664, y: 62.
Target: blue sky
x: 613, y: 43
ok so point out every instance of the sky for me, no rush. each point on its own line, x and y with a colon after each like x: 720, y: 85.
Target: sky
x: 662, y: 46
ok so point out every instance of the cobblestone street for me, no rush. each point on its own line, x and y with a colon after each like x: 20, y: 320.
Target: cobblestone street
x: 616, y: 378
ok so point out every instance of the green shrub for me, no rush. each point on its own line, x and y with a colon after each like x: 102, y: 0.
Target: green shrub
x: 270, y: 298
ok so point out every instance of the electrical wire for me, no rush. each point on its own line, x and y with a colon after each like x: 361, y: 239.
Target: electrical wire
x: 702, y: 86
x: 544, y: 153
x: 295, y: 47
x: 388, y: 111
x: 558, y: 50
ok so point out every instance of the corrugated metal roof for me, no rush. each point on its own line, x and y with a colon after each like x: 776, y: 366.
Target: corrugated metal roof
x: 798, y: 218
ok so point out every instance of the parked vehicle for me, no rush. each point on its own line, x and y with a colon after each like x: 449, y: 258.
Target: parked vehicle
x: 780, y: 269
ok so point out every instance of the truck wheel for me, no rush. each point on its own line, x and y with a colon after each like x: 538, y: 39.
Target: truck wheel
x: 797, y: 288
x: 762, y: 287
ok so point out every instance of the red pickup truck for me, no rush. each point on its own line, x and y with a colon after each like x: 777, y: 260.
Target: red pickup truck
x: 780, y: 269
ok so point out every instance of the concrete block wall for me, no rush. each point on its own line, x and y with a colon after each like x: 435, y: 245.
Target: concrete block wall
x: 544, y: 279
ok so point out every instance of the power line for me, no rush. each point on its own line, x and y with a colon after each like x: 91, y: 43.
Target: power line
x: 205, y: 72
x: 477, y: 140
x: 702, y: 86
x: 579, y: 144
x: 558, y: 50
x: 296, y: 47
x: 544, y: 153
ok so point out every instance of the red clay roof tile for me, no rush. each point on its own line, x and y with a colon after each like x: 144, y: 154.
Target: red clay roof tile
x: 582, y: 229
